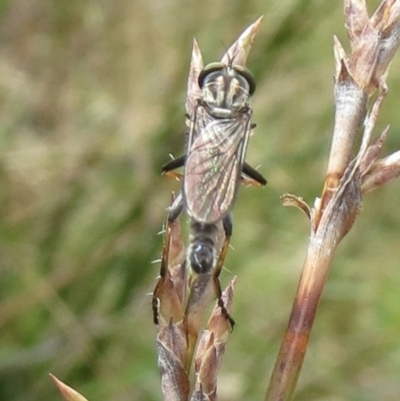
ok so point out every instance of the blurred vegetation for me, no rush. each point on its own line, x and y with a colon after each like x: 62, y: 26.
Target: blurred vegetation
x: 92, y: 96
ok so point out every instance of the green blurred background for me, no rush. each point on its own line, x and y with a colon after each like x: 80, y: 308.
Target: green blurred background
x: 91, y: 104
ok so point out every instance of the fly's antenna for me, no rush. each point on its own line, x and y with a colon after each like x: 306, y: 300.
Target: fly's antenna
x: 230, y: 59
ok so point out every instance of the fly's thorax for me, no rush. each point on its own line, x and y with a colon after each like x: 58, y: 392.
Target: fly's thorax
x: 202, y: 252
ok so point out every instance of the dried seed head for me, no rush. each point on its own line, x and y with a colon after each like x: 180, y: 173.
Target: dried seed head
x: 373, y: 44
x: 211, y: 347
x: 347, y: 180
x: 373, y: 41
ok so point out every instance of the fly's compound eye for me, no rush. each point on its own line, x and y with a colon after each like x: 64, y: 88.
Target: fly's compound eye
x: 208, y: 70
x: 212, y: 70
x: 248, y: 76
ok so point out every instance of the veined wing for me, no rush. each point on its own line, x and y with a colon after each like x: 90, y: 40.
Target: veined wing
x: 213, y: 168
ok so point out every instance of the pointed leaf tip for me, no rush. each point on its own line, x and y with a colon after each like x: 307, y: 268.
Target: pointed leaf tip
x: 240, y: 49
x: 67, y: 392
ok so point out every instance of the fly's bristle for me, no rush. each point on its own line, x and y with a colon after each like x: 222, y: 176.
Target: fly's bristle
x: 224, y: 268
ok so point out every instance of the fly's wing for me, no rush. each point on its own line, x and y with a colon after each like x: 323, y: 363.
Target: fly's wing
x: 213, y: 168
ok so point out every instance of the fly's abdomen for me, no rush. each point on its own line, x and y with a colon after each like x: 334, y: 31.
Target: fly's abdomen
x: 202, y: 249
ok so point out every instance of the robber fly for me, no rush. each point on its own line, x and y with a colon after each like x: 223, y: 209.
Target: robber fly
x: 214, y: 165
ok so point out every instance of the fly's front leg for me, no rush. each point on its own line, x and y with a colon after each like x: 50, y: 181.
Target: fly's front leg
x: 227, y: 224
x: 173, y: 164
x: 256, y: 178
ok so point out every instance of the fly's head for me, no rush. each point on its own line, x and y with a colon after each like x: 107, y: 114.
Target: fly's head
x: 226, y: 89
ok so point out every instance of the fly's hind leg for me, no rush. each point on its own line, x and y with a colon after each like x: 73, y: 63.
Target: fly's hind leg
x: 163, y: 272
x: 173, y: 213
x: 227, y: 224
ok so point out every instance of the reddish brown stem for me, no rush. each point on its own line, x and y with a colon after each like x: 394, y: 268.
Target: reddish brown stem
x: 294, y: 345
x: 336, y: 221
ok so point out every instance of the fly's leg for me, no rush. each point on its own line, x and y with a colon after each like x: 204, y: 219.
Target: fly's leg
x: 163, y: 271
x: 175, y: 209
x: 173, y: 213
x: 227, y: 224
x: 256, y: 178
x: 172, y: 165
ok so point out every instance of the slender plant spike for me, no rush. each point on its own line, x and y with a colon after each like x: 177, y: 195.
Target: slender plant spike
x: 180, y: 302
x: 358, y: 76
